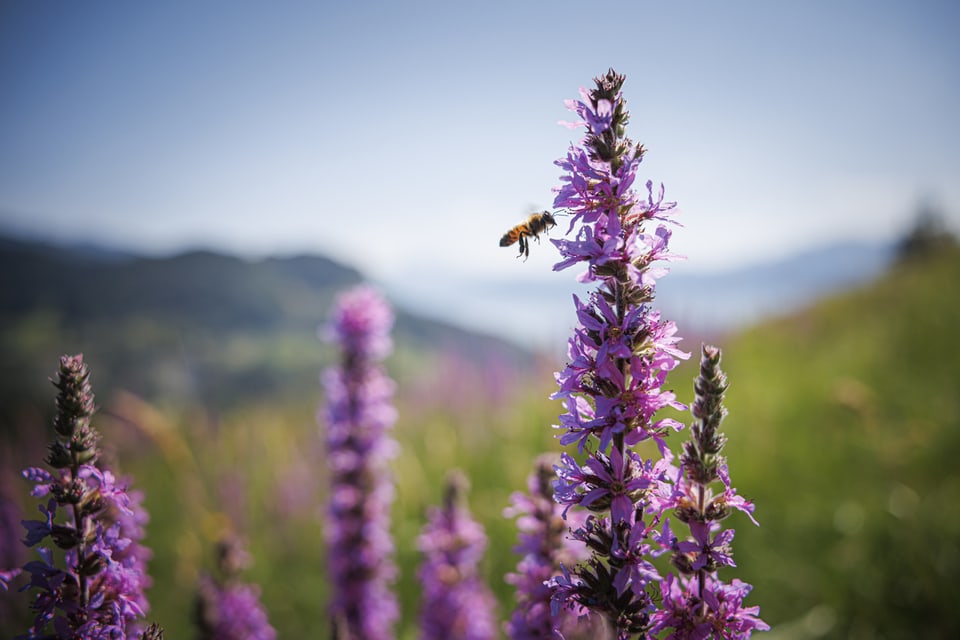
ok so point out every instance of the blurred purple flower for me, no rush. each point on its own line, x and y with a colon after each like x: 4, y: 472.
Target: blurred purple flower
x: 12, y: 553
x: 361, y: 324
x: 358, y: 417
x: 228, y: 609
x: 544, y: 546
x: 455, y: 601
x: 295, y: 488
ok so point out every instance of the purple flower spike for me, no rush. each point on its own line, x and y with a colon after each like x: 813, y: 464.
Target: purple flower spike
x: 619, y: 356
x: 717, y: 613
x: 545, y: 546
x: 358, y: 417
x: 98, y: 591
x: 699, y: 604
x: 228, y: 609
x: 361, y: 324
x: 455, y: 603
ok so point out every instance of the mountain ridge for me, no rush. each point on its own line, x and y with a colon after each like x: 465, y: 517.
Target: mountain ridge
x: 198, y: 325
x: 733, y: 298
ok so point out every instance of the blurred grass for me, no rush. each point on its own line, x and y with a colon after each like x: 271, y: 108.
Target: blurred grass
x: 259, y: 470
x: 844, y: 428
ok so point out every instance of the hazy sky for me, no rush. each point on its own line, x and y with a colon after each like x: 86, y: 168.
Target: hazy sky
x: 405, y: 137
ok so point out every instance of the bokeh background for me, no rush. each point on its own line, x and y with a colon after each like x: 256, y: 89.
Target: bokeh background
x: 184, y: 187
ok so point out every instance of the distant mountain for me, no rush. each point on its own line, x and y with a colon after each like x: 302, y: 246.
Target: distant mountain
x: 199, y: 326
x: 729, y: 299
x: 202, y: 287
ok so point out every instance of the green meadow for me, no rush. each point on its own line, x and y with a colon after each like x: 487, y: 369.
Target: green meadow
x: 844, y: 428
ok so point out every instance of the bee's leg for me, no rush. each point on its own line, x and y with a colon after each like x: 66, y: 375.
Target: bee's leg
x: 523, y: 246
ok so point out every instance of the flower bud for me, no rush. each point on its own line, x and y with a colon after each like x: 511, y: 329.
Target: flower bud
x: 58, y: 456
x: 91, y: 565
x: 64, y: 537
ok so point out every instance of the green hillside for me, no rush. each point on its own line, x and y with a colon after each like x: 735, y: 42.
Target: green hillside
x: 845, y: 428
x: 198, y: 327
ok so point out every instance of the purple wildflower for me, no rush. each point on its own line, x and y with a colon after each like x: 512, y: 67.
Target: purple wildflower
x: 12, y: 552
x: 130, y: 553
x: 698, y: 604
x: 544, y: 547
x: 99, y: 591
x: 228, y: 609
x: 358, y: 419
x: 456, y: 603
x: 619, y: 357
x: 692, y: 610
x: 7, y: 575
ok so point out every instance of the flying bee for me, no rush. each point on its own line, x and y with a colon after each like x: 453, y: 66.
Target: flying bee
x: 532, y: 227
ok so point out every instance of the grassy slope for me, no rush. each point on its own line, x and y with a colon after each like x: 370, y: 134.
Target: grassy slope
x: 845, y: 428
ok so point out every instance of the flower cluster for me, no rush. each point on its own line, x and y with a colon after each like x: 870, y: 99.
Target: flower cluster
x: 544, y: 547
x: 456, y: 603
x: 228, y: 609
x: 698, y: 604
x: 98, y: 591
x: 619, y: 357
x: 12, y: 552
x: 358, y: 417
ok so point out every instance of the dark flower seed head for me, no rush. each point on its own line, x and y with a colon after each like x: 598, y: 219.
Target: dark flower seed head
x: 58, y: 456
x: 608, y: 85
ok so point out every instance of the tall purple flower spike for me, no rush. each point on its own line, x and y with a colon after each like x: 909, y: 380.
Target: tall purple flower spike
x: 96, y: 588
x: 227, y: 608
x: 359, y: 416
x: 618, y: 360
x: 697, y: 604
x: 544, y: 546
x: 455, y: 601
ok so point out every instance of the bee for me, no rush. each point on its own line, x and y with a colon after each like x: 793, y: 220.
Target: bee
x: 532, y: 227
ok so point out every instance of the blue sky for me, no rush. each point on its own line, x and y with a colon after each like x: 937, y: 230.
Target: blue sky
x: 404, y: 138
